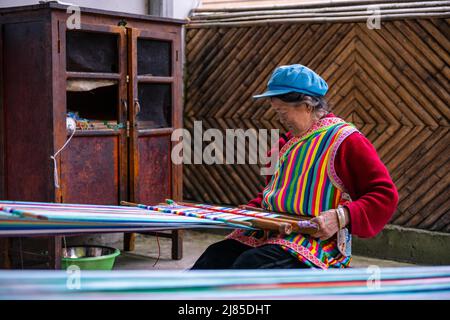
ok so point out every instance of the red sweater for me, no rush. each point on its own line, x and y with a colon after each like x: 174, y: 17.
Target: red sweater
x: 367, y: 181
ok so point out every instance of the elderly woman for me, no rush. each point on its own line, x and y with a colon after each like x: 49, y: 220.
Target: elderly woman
x: 326, y: 170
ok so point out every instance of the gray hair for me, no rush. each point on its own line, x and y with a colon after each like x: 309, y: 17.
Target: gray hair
x: 319, y: 105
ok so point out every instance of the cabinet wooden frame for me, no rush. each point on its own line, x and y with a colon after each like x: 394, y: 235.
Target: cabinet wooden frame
x: 46, y: 70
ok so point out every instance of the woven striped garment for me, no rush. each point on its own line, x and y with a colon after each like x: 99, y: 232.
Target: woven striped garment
x: 305, y: 183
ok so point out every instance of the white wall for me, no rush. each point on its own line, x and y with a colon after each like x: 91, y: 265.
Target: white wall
x: 178, y: 9
x: 129, y: 6
x: 181, y: 8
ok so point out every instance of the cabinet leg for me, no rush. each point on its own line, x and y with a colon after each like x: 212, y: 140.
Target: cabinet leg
x: 55, y: 252
x: 177, y: 244
x: 129, y: 241
x: 4, y: 252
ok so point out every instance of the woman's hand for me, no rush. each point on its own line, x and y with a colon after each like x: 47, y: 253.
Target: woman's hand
x: 328, y: 224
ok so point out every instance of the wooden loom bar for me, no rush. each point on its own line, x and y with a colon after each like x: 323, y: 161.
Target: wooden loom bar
x: 283, y: 225
x: 294, y: 223
x: 259, y: 223
x: 242, y: 223
x: 293, y: 218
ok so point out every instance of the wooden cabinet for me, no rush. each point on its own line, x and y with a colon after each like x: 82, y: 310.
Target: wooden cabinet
x: 121, y: 75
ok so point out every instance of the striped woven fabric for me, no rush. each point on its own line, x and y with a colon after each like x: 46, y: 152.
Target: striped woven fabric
x: 371, y: 283
x: 226, y: 214
x: 35, y: 218
x: 210, y: 212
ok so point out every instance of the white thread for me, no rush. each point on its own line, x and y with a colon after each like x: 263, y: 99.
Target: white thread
x: 69, y: 125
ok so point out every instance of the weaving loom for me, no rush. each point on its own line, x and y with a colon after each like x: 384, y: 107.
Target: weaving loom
x: 392, y: 283
x: 35, y: 218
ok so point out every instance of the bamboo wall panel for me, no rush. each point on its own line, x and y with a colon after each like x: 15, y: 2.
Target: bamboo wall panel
x: 392, y: 83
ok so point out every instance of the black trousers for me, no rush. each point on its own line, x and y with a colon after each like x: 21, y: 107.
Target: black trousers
x: 231, y: 254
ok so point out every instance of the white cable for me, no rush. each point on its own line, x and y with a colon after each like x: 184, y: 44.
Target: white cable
x: 70, y: 125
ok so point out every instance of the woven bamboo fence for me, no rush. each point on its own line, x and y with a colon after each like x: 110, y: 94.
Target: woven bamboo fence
x: 392, y: 83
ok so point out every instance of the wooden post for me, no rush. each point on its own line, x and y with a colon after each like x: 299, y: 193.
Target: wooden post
x: 177, y: 244
x: 55, y: 252
x: 4, y: 253
x: 129, y: 241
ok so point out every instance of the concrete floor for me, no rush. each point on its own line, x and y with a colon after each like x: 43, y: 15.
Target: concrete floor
x: 145, y: 255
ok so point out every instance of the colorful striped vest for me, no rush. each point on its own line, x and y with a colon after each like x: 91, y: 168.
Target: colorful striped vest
x: 306, y: 184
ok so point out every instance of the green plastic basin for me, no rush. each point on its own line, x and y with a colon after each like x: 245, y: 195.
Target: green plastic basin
x: 89, y: 257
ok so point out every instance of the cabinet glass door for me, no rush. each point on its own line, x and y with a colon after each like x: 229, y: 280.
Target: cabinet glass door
x: 94, y: 163
x: 154, y: 57
x: 153, y: 91
x: 155, y: 106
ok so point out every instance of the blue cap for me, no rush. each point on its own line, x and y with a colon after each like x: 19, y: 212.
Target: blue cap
x: 294, y: 78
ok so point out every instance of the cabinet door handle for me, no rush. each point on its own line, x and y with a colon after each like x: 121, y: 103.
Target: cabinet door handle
x: 138, y: 106
x: 126, y: 124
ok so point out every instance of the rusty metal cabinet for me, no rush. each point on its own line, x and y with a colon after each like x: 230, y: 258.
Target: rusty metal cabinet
x: 122, y: 71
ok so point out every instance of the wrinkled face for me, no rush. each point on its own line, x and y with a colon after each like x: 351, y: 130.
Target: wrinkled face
x: 296, y: 116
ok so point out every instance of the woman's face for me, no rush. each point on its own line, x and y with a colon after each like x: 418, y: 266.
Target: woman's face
x: 297, y: 117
